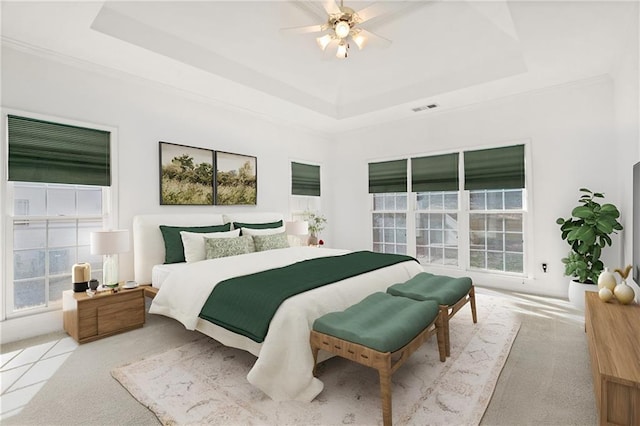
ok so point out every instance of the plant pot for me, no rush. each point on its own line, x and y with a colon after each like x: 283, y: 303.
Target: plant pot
x: 577, y: 291
x: 313, y: 240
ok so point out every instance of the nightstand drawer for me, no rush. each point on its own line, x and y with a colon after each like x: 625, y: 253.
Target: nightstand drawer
x: 116, y: 316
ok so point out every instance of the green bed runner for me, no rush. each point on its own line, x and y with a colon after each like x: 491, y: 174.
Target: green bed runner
x: 246, y: 304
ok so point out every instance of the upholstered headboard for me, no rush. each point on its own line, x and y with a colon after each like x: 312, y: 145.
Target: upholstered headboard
x: 148, y: 245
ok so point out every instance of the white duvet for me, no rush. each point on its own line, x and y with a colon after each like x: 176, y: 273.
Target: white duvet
x: 284, y: 366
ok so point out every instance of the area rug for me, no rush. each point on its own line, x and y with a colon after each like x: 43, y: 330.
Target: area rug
x: 204, y: 382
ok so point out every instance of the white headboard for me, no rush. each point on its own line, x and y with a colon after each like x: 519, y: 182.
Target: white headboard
x: 148, y: 245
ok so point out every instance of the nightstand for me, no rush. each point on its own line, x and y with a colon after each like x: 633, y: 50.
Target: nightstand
x: 90, y: 318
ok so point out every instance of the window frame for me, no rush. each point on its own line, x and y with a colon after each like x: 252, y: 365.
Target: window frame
x: 109, y: 206
x: 464, y: 212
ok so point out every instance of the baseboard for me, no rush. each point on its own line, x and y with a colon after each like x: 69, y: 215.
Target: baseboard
x: 14, y: 329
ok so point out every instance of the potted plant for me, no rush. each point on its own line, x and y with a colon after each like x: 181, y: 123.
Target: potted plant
x: 587, y: 231
x: 317, y: 223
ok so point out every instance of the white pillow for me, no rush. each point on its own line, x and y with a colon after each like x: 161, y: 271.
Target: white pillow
x: 267, y: 231
x: 193, y: 243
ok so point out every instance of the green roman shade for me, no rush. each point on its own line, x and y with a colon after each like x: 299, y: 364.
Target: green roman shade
x: 435, y: 173
x: 388, y: 176
x: 41, y: 151
x: 305, y: 179
x: 495, y: 168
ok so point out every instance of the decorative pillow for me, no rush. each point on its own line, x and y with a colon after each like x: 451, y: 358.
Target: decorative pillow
x: 173, y: 248
x: 270, y: 242
x: 224, y: 247
x: 238, y: 225
x: 193, y: 243
x: 265, y: 231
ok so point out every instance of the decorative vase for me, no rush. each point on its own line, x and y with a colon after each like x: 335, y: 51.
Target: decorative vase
x: 624, y: 293
x: 605, y: 294
x: 313, y: 240
x: 607, y: 279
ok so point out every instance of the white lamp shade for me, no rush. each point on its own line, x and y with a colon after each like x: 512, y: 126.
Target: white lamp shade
x: 298, y: 227
x: 110, y: 242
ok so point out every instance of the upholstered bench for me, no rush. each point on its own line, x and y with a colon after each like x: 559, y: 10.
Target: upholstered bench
x: 450, y: 293
x: 381, y: 332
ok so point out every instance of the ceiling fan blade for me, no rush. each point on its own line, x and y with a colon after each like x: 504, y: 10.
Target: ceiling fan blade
x: 331, y: 7
x: 376, y: 9
x: 304, y: 30
x: 372, y: 38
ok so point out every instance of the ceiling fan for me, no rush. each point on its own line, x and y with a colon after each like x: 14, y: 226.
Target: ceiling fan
x: 343, y: 26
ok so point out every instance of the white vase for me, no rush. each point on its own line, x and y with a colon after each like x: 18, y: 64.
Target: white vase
x: 607, y: 279
x: 577, y: 291
x: 624, y: 293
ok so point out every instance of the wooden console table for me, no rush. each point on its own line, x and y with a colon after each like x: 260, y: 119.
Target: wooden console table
x: 613, y: 332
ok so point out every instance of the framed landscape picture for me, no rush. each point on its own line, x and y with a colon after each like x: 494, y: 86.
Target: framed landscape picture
x: 186, y: 175
x: 236, y: 179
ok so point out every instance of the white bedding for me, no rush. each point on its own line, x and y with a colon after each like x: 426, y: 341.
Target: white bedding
x: 284, y: 366
x: 159, y: 273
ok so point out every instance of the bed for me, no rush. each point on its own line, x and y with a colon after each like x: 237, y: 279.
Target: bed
x: 284, y: 365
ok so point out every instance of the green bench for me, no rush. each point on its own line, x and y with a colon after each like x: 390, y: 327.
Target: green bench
x: 450, y: 293
x: 381, y: 332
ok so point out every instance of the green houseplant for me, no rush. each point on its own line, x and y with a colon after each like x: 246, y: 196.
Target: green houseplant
x: 588, y: 231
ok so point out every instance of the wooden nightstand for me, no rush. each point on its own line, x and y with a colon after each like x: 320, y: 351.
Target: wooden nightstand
x: 90, y: 318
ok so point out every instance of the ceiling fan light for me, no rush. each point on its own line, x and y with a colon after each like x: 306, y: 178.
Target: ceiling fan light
x: 342, y: 29
x: 360, y: 41
x: 342, y: 50
x: 324, y: 41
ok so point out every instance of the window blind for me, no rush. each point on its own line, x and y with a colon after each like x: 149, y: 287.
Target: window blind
x: 435, y: 173
x: 495, y: 168
x: 305, y: 179
x: 41, y: 151
x: 388, y: 176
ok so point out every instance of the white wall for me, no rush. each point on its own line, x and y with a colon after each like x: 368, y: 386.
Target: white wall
x: 572, y: 145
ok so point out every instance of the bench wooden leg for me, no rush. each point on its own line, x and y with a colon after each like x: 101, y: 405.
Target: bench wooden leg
x: 442, y: 332
x: 385, y: 391
x: 472, y: 300
x: 314, y: 350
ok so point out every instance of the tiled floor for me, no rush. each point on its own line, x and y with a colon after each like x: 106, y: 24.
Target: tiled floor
x: 25, y: 371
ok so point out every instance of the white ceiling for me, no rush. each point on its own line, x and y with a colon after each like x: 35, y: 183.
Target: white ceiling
x: 233, y: 53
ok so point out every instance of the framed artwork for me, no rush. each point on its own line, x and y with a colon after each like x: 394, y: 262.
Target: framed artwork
x: 186, y: 175
x: 236, y: 179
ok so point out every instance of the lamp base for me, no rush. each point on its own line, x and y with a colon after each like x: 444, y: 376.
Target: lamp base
x: 110, y: 271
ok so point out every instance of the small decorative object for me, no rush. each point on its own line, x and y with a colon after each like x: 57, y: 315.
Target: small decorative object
x: 81, y: 274
x: 236, y: 179
x: 605, y: 294
x: 321, y: 242
x: 316, y: 224
x: 623, y: 292
x: 110, y: 244
x: 93, y: 284
x: 607, y: 279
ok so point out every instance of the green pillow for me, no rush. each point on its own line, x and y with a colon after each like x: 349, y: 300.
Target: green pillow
x: 173, y: 248
x: 270, y: 242
x: 224, y: 247
x: 238, y: 225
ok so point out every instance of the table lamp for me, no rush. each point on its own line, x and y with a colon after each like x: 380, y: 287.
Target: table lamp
x: 297, y: 228
x: 109, y: 244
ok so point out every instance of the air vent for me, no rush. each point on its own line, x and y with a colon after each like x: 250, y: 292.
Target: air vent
x: 424, y: 107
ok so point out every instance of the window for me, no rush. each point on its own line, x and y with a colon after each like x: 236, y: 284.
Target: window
x: 390, y: 223
x: 51, y: 227
x: 437, y: 227
x: 305, y: 190
x: 496, y: 230
x: 490, y: 207
x: 57, y: 193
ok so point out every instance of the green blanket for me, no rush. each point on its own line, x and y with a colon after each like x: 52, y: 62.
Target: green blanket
x: 246, y: 304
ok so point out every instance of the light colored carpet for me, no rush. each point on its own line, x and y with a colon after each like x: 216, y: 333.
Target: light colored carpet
x: 204, y: 382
